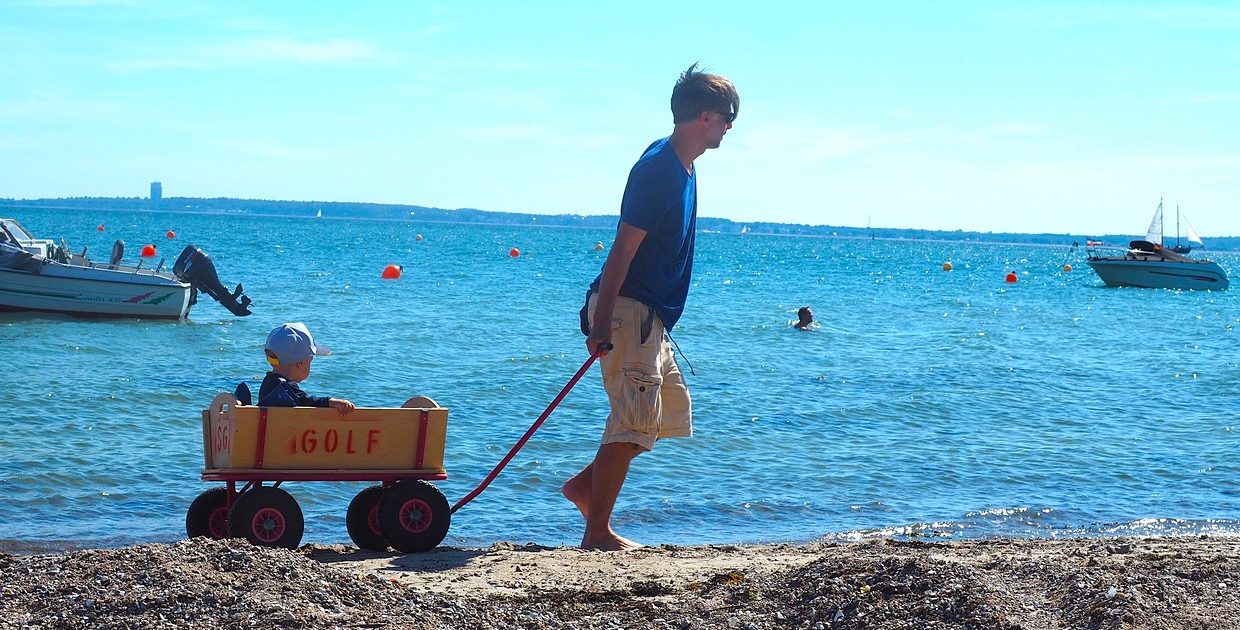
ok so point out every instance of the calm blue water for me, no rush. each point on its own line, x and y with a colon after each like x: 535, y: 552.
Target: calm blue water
x: 924, y: 403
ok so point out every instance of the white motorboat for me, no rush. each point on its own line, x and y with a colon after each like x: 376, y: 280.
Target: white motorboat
x: 40, y: 275
x: 1149, y: 264
x: 1153, y: 266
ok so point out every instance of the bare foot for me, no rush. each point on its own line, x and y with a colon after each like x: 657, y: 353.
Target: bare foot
x: 580, y: 497
x: 610, y: 542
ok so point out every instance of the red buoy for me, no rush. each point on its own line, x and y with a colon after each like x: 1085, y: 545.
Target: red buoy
x: 1011, y: 277
x: 100, y: 228
x: 171, y: 234
x: 514, y: 252
x: 148, y: 250
x: 391, y: 272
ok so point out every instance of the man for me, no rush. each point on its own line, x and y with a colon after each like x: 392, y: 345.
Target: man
x: 640, y: 294
x: 805, y: 317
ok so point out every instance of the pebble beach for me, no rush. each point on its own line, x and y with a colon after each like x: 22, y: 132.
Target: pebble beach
x: 1132, y: 583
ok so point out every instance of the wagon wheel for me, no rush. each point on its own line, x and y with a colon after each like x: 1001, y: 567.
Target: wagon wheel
x: 208, y: 515
x: 413, y: 516
x: 363, y: 519
x: 266, y: 516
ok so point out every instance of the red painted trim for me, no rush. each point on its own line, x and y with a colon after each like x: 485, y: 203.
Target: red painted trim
x: 422, y: 426
x: 262, y: 437
x: 383, y: 476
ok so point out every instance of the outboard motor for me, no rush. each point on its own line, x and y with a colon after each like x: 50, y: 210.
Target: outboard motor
x: 195, y: 267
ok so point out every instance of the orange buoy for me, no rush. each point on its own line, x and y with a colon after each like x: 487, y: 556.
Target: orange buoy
x: 598, y: 247
x: 392, y: 272
x: 947, y: 266
x: 514, y: 252
x: 100, y: 228
x: 1067, y: 268
x: 171, y: 234
x: 148, y: 250
x: 418, y: 237
x: 1011, y: 277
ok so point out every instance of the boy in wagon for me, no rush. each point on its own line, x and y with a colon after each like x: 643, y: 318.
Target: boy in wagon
x: 290, y: 349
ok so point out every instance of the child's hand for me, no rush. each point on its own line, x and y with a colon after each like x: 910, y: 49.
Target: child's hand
x: 341, y: 405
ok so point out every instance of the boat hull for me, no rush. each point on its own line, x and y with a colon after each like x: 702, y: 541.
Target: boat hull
x: 1160, y: 274
x: 94, y: 292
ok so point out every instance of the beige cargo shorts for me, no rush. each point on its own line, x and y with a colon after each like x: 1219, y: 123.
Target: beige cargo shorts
x: 649, y: 400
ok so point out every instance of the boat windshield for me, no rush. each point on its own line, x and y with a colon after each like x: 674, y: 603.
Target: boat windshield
x: 13, y: 230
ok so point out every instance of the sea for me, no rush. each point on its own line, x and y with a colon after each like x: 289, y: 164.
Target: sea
x: 922, y: 403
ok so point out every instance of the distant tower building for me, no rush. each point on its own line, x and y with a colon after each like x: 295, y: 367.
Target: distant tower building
x: 157, y: 193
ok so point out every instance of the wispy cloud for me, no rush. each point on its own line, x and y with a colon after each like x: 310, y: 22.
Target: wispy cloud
x: 279, y: 49
x: 43, y: 107
x: 263, y: 50
x: 1211, y: 99
x: 514, y: 132
x: 1185, y: 16
x: 265, y: 149
x: 79, y: 3
x: 813, y: 144
x: 1229, y: 163
x: 1018, y: 129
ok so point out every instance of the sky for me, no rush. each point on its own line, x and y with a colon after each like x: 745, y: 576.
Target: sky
x: 1015, y: 116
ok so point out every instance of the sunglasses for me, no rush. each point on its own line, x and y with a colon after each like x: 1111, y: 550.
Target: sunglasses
x: 729, y: 116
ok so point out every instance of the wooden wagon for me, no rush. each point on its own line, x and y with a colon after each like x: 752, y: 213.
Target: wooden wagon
x: 254, y: 450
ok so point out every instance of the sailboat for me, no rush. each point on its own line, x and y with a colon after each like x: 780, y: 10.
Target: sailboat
x: 1148, y: 264
x: 1155, y: 233
x: 319, y: 214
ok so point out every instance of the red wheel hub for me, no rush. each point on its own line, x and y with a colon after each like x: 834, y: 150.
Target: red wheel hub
x: 372, y: 519
x: 217, y: 523
x: 268, y: 525
x: 415, y: 515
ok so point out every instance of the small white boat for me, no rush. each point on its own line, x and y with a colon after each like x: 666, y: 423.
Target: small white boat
x: 1147, y: 263
x: 1153, y: 266
x: 39, y: 275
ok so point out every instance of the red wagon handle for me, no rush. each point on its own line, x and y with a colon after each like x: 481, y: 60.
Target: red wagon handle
x: 534, y: 427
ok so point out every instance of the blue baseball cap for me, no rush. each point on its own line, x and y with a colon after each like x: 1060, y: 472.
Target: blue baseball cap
x: 291, y: 343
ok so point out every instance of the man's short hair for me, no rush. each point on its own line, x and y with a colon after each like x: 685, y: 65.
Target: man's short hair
x: 698, y: 91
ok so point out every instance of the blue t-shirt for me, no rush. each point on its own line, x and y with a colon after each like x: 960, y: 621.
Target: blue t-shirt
x: 661, y: 199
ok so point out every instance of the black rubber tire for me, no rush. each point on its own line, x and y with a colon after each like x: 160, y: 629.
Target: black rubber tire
x: 362, y: 519
x: 208, y: 515
x: 414, y: 516
x: 267, y: 516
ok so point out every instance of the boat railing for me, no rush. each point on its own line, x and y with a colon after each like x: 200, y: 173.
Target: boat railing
x: 1101, y: 250
x: 133, y: 269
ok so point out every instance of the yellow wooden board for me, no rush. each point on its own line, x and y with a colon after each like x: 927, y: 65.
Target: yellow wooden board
x: 320, y: 438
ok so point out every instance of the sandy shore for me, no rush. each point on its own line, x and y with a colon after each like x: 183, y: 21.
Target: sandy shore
x: 1161, y: 583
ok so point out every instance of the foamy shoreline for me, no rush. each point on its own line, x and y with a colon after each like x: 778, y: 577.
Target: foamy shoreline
x: 1101, y: 583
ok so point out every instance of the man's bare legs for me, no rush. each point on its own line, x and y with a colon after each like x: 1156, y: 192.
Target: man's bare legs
x: 578, y: 488
x: 594, y: 491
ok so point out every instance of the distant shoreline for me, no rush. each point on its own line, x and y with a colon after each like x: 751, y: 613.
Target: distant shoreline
x: 470, y: 216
